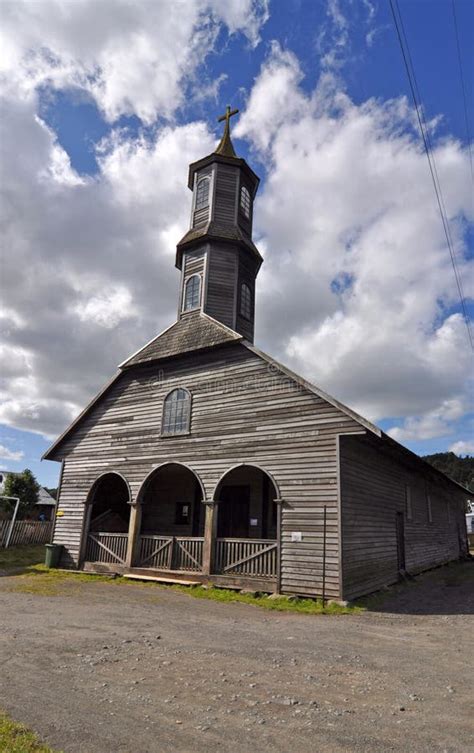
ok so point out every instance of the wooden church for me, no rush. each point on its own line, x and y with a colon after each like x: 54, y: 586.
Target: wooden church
x: 204, y: 460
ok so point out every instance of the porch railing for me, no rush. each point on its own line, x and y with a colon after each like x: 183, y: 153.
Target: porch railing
x: 251, y: 557
x: 170, y: 552
x: 109, y: 548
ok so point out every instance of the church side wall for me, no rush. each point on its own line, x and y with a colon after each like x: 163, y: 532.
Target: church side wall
x: 374, y: 488
x: 244, y: 411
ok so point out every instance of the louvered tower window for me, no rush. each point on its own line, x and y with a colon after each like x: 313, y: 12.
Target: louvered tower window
x: 245, y: 301
x: 176, y: 412
x: 202, y: 193
x: 192, y: 293
x: 245, y: 201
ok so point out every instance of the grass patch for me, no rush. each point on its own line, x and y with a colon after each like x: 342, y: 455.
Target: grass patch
x: 280, y: 604
x: 21, y: 556
x: 37, y: 579
x: 16, y: 738
x: 41, y: 581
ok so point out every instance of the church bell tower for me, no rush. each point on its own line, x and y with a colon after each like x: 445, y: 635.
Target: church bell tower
x: 218, y: 260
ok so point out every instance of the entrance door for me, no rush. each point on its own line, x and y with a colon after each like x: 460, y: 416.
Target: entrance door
x: 400, y: 524
x: 233, y: 516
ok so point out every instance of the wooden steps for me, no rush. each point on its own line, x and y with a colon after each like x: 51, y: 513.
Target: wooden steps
x: 162, y: 579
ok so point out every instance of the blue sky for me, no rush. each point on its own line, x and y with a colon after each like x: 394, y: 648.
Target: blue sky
x: 352, y: 43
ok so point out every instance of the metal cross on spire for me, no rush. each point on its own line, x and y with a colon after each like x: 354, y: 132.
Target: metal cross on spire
x: 225, y: 147
x: 227, y: 116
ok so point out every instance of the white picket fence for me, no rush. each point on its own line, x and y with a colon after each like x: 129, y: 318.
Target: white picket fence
x: 26, y: 532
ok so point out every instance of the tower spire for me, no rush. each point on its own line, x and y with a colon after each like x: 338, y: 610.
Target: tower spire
x: 225, y: 146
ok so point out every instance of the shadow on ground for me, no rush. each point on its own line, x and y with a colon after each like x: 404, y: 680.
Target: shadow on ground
x: 446, y: 590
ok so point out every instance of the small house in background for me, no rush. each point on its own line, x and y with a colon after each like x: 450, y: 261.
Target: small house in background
x: 206, y: 459
x: 45, y: 506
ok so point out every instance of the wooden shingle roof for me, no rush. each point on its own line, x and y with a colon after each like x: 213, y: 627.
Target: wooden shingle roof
x: 217, y: 231
x: 194, y: 331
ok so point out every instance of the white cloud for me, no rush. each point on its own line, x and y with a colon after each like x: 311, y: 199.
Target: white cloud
x: 357, y: 271
x: 434, y: 423
x: 89, y: 273
x: 131, y: 58
x: 108, y: 308
x: 6, y: 454
x: 462, y: 447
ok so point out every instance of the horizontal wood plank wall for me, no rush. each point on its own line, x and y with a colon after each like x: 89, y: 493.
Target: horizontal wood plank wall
x: 225, y: 194
x: 373, y: 490
x: 244, y: 410
x: 221, y: 284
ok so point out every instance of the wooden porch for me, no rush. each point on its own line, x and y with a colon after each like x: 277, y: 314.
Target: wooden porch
x: 236, y: 562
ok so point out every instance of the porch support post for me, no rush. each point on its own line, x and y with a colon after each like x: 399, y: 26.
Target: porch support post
x: 85, y: 533
x: 279, y: 504
x: 133, y: 533
x: 210, y: 531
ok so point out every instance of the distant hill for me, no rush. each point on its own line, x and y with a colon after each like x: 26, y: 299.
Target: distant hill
x: 459, y: 469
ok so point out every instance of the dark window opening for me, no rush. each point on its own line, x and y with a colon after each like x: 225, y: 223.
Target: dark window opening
x: 182, y: 513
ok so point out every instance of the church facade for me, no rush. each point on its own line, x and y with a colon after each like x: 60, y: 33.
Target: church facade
x: 204, y: 460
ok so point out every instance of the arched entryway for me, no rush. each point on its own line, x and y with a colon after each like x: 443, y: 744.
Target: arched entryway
x: 172, y: 520
x: 107, y: 520
x: 247, y: 523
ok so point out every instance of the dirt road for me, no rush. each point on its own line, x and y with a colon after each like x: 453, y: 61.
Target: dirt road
x: 101, y: 668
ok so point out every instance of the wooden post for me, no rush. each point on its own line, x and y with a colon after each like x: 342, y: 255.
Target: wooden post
x: 210, y: 530
x: 324, y: 554
x: 133, y: 534
x: 85, y: 534
x: 278, y: 503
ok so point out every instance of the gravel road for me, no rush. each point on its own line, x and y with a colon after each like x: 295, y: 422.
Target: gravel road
x: 102, y: 668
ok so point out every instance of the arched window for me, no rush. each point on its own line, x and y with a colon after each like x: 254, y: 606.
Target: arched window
x: 202, y: 193
x: 245, y: 201
x: 245, y: 301
x: 192, y: 293
x: 176, y: 412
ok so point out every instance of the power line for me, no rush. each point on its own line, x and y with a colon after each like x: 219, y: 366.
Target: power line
x: 464, y: 98
x: 402, y: 39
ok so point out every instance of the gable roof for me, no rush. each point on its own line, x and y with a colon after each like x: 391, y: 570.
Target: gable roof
x: 194, y: 331
x: 198, y: 331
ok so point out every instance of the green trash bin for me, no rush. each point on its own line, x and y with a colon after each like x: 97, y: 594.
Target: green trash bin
x: 53, y: 555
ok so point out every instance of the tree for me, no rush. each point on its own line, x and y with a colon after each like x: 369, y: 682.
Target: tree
x: 25, y: 487
x: 457, y: 468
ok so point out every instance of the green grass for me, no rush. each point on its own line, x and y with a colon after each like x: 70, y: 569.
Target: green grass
x: 16, y: 738
x: 280, y: 604
x: 36, y: 578
x: 21, y: 556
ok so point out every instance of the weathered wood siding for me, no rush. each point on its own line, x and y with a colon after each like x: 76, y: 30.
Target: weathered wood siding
x: 221, y: 284
x: 247, y: 274
x: 374, y: 487
x: 244, y: 411
x: 225, y: 194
